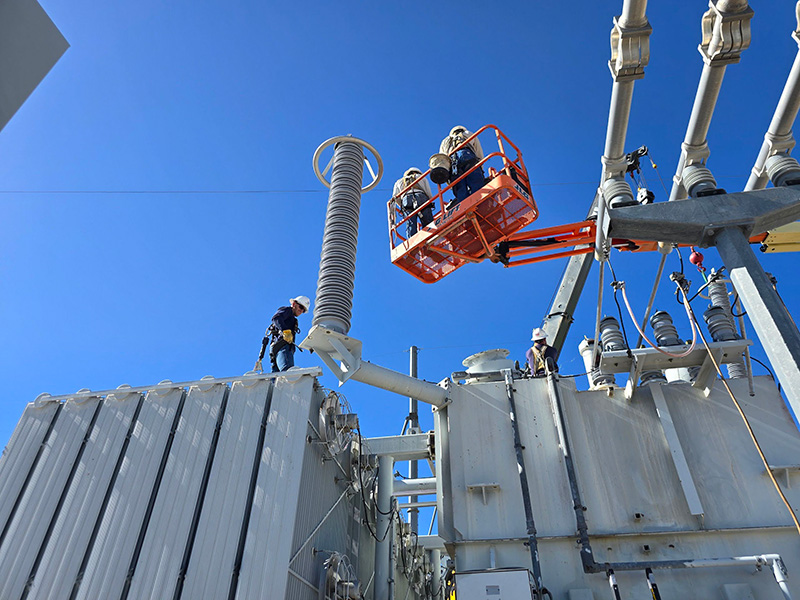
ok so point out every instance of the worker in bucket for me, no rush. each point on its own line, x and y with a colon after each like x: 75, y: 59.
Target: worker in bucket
x: 413, y: 198
x: 281, y: 335
x: 461, y: 161
x: 538, y: 354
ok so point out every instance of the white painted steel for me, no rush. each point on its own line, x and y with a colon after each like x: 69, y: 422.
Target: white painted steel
x: 299, y: 502
x: 275, y: 504
x: 20, y: 453
x: 27, y: 529
x: 207, y: 380
x: 211, y: 567
x: 163, y: 547
x: 676, y: 449
x: 510, y: 583
x: 635, y: 506
x: 77, y: 517
x: 112, y: 551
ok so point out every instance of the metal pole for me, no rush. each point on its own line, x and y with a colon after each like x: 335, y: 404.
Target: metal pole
x: 772, y: 322
x: 652, y: 297
x: 413, y: 418
x: 383, y: 545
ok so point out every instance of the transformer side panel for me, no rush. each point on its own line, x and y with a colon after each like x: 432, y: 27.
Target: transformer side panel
x: 20, y: 453
x: 62, y: 557
x: 26, y: 530
x: 164, y: 544
x: 324, y: 504
x: 113, y: 550
x: 215, y: 546
x: 268, y: 544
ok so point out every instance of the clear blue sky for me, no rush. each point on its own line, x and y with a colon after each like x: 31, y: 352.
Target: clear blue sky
x: 100, y: 289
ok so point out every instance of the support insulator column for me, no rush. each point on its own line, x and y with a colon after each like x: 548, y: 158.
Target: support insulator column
x: 337, y: 265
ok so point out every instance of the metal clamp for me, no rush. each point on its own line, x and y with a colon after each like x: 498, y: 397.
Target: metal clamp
x: 630, y: 51
x: 733, y: 35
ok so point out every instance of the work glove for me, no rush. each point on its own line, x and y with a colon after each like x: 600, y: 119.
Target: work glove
x: 288, y: 336
x: 258, y: 366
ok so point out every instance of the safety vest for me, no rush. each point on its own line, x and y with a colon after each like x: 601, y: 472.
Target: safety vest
x: 538, y: 360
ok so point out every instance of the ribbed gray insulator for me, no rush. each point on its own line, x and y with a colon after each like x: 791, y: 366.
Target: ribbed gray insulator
x: 610, y: 335
x: 664, y: 330
x: 694, y: 372
x: 781, y: 168
x: 596, y: 377
x: 719, y: 326
x: 337, y: 264
x: 718, y: 294
x: 618, y: 193
x: 698, y: 178
x: 652, y: 377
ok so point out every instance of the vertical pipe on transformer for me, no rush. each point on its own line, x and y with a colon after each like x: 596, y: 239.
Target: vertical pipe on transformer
x: 383, y: 545
x: 413, y: 418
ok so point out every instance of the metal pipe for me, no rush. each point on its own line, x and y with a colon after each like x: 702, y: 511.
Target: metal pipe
x: 651, y: 584
x: 633, y: 13
x: 404, y: 487
x: 413, y: 417
x: 386, y: 379
x: 780, y: 128
x: 587, y: 558
x: 539, y: 589
x: 384, y: 527
x: 718, y: 51
x: 599, y: 316
x: 436, y: 567
x: 703, y: 109
x: 617, y: 129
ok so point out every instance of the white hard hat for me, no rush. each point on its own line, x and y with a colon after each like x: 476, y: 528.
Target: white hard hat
x: 302, y: 301
x: 538, y: 334
x: 457, y: 128
x: 411, y: 170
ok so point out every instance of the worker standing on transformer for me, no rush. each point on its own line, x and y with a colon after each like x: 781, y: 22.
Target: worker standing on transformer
x: 412, y: 199
x: 281, y: 335
x: 461, y: 161
x: 538, y: 354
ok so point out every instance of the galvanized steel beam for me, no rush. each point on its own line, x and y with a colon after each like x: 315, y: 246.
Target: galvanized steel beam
x: 775, y: 327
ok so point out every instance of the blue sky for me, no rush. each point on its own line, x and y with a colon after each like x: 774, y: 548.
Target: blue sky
x: 132, y: 246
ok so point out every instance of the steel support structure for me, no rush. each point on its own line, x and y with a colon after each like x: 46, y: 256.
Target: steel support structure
x: 774, y: 325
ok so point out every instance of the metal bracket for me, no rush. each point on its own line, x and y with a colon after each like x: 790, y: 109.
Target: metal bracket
x: 341, y: 353
x: 785, y: 471
x: 482, y: 488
